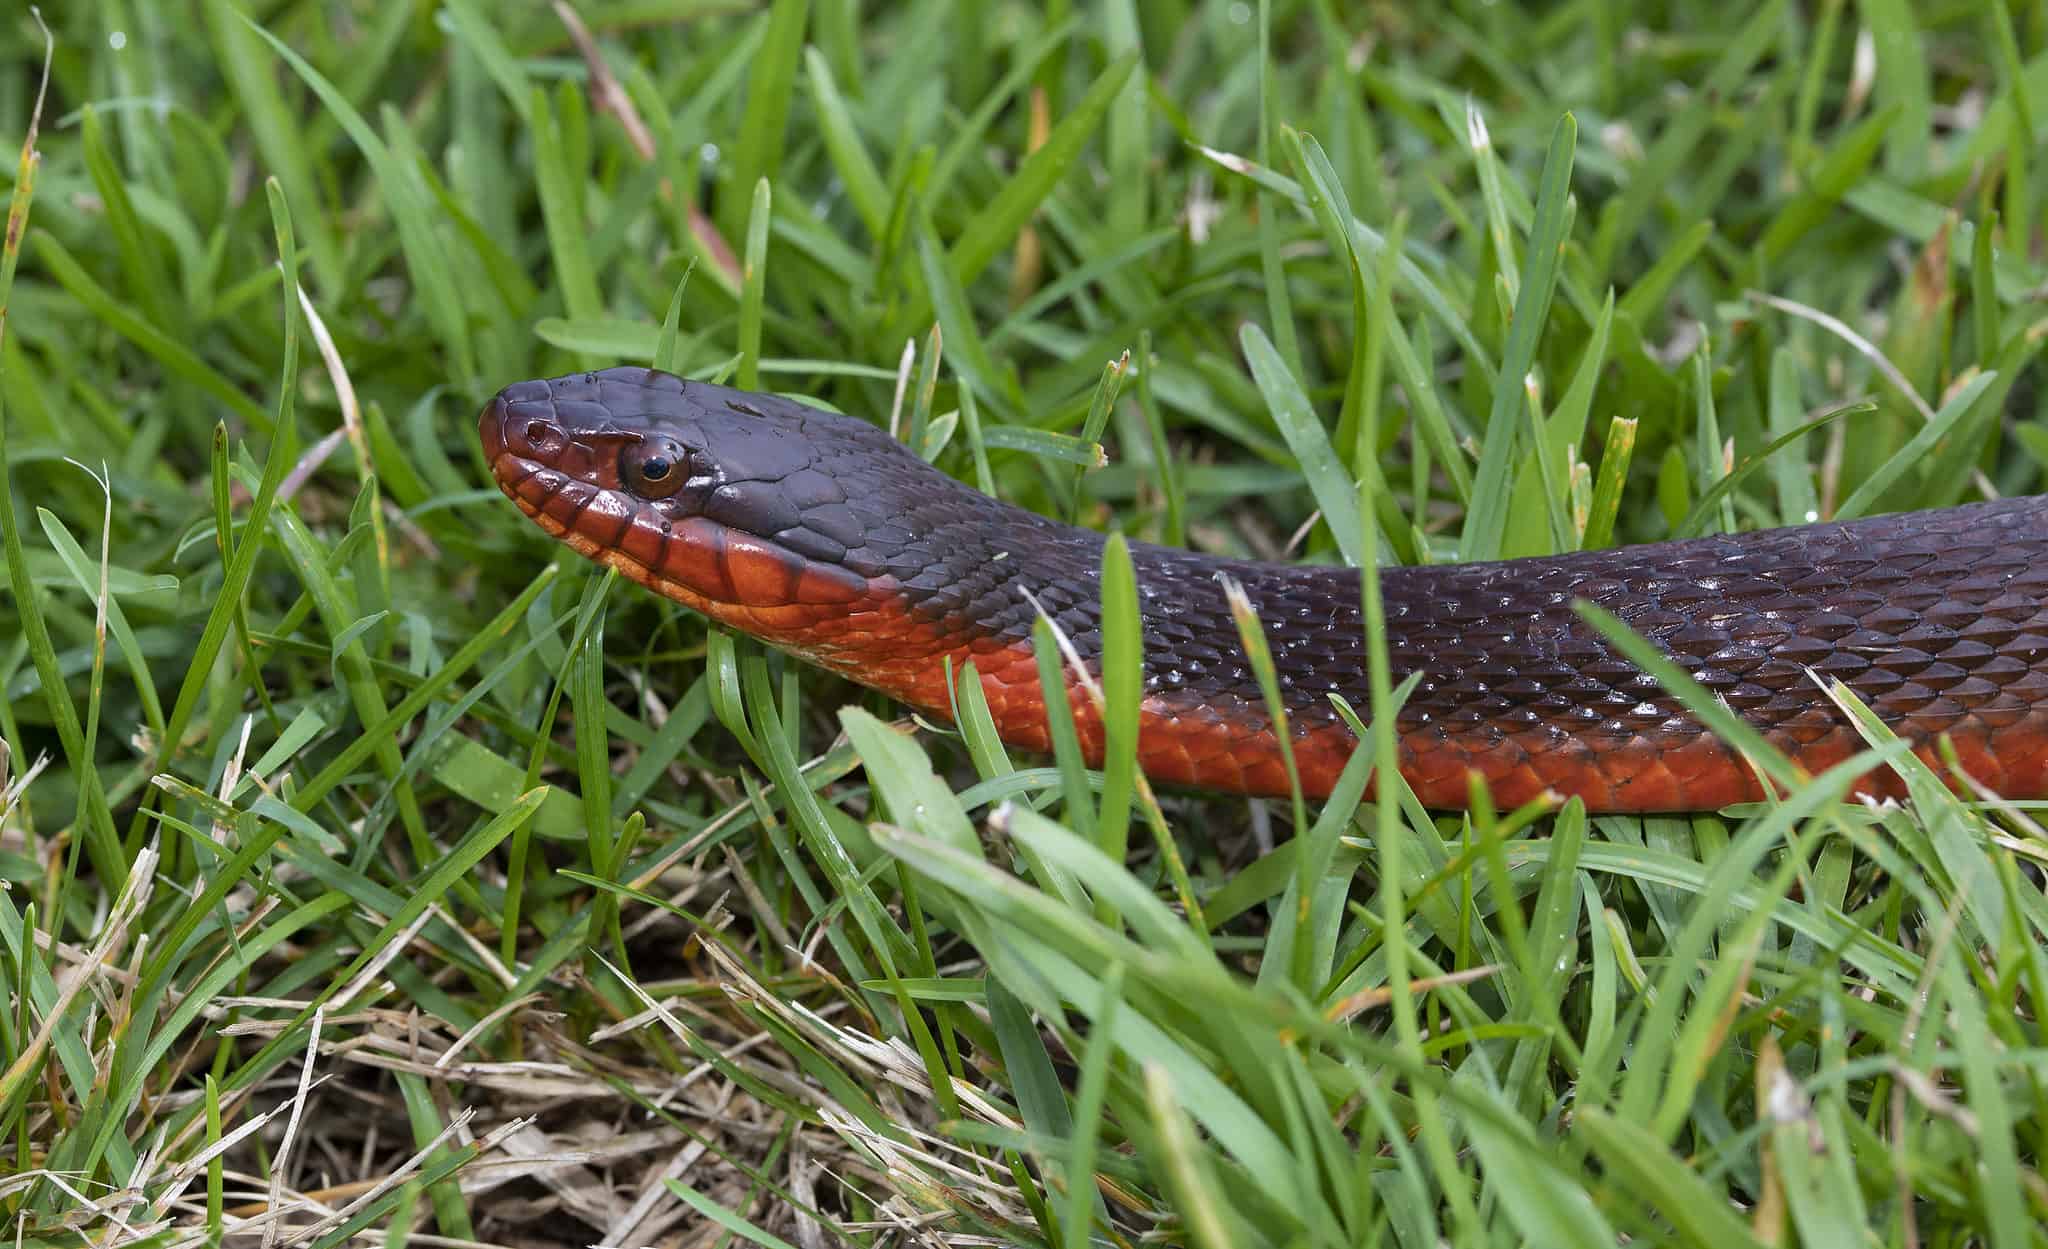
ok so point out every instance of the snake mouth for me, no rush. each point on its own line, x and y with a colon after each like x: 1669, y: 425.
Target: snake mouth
x: 567, y: 481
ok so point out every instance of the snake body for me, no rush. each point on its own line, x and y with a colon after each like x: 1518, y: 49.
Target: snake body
x: 824, y: 536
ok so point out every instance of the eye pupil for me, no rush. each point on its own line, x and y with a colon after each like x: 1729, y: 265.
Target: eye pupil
x: 654, y: 468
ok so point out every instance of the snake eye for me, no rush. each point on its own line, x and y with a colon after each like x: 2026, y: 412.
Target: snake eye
x: 654, y: 470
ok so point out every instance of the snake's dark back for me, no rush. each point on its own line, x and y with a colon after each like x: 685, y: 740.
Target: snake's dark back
x: 1938, y: 620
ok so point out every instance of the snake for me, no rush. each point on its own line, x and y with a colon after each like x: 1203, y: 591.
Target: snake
x: 823, y: 535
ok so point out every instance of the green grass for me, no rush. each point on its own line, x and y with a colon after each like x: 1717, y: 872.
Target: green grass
x: 370, y: 861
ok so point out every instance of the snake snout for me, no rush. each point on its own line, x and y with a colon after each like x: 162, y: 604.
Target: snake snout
x: 490, y: 429
x: 508, y: 426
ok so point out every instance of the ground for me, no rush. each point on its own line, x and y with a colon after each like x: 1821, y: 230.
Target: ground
x: 374, y: 868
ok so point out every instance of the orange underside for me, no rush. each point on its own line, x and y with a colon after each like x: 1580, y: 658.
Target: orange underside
x: 865, y: 632
x: 1183, y: 744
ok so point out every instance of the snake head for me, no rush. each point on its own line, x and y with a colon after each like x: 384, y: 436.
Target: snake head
x: 721, y: 499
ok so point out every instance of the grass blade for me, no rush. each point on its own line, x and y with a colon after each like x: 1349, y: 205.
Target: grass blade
x: 1485, y: 524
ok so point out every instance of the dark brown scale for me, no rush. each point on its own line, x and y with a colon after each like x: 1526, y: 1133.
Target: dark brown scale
x: 1939, y: 620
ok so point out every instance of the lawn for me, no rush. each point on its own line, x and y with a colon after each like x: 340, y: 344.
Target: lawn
x: 375, y: 870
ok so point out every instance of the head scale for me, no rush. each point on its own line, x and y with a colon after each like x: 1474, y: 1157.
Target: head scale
x: 730, y: 502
